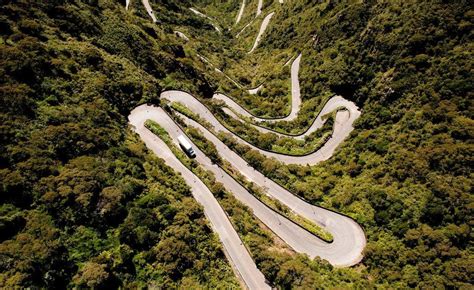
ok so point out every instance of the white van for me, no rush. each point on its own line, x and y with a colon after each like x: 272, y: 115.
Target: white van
x: 186, y: 146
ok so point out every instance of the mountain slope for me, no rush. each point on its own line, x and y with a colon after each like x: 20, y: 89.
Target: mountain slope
x: 83, y: 203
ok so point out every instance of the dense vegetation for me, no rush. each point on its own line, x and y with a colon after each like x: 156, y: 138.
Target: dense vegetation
x: 406, y: 172
x: 84, y: 204
x: 405, y: 175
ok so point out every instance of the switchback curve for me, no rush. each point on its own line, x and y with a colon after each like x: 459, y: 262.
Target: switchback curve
x: 349, y: 238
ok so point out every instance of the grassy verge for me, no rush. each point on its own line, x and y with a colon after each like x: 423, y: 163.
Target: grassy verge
x: 184, y: 110
x: 276, y: 205
x: 179, y: 107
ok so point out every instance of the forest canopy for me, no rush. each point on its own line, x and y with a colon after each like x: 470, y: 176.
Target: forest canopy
x: 83, y: 203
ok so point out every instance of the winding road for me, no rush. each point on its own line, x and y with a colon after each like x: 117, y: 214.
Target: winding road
x: 148, y: 8
x: 295, y: 97
x: 241, y: 12
x: 344, y: 119
x: 195, y: 11
x: 263, y: 27
x: 235, y: 250
x: 259, y: 7
x: 348, y: 237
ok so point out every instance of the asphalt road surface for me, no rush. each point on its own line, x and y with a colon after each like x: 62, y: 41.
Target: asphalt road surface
x: 342, y: 127
x: 233, y: 246
x: 348, y: 237
x: 259, y: 7
x: 148, y: 8
x: 205, y: 16
x: 263, y: 27
x: 295, y: 98
x: 241, y: 11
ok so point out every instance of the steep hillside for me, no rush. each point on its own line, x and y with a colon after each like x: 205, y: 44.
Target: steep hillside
x: 85, y: 204
x: 406, y: 173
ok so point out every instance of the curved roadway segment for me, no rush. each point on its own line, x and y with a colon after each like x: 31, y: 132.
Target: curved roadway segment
x: 295, y: 97
x: 259, y: 7
x: 235, y: 250
x: 348, y: 237
x: 263, y: 27
x: 195, y: 11
x: 181, y: 35
x: 255, y: 91
x: 342, y: 128
x: 147, y: 5
x: 344, y: 119
x: 241, y: 12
